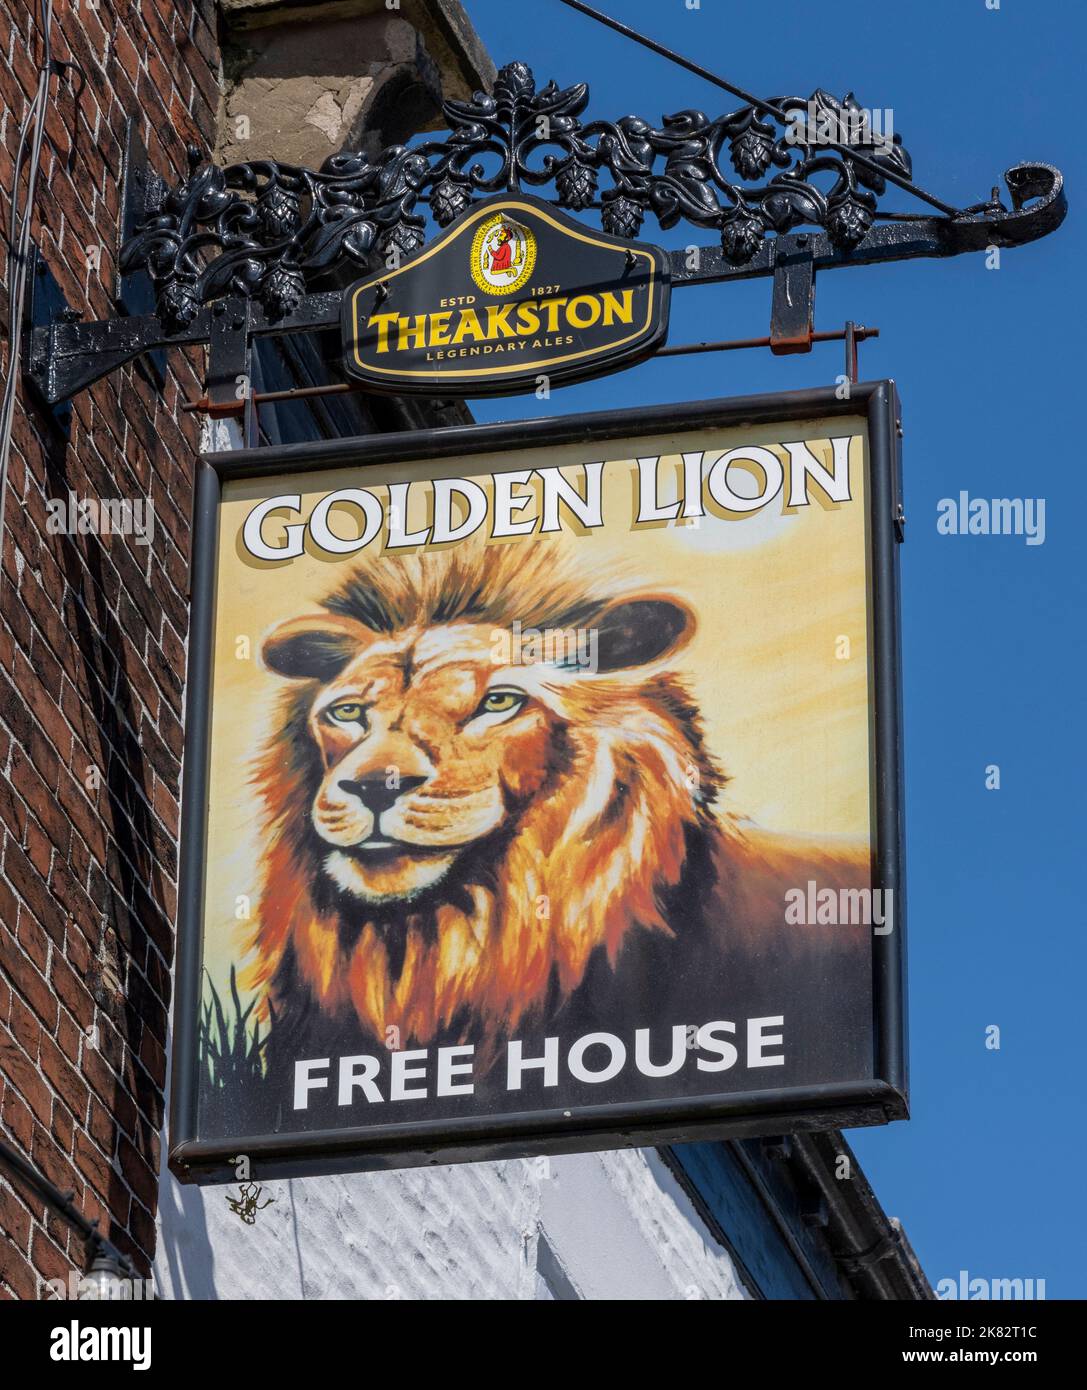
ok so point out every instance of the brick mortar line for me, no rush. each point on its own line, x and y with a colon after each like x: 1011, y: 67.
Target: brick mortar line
x: 82, y: 1126
x: 110, y: 695
x: 111, y: 836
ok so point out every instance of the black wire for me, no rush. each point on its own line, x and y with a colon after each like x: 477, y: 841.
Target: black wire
x: 625, y: 29
x: 13, y: 215
x: 18, y: 256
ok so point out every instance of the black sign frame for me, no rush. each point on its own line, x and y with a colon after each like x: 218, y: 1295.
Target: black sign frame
x: 609, y: 1126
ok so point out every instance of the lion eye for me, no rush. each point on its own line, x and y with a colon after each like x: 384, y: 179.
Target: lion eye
x: 501, y: 702
x: 347, y: 712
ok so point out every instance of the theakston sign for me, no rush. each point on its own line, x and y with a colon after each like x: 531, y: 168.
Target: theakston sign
x: 542, y: 789
x: 511, y: 293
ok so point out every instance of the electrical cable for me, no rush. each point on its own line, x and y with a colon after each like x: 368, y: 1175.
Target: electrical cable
x: 13, y: 216
x: 19, y: 238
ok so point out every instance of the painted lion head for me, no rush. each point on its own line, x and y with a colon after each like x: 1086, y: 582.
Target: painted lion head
x: 483, y: 771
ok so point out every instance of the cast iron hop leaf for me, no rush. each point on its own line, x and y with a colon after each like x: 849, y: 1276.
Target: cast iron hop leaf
x: 621, y: 216
x: 179, y: 303
x: 280, y: 211
x: 404, y: 238
x: 514, y: 82
x: 751, y: 150
x: 576, y: 185
x: 282, y: 290
x: 448, y: 200
x: 741, y: 236
x: 848, y: 221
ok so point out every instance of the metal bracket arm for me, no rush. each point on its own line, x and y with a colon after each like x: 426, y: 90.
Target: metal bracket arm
x: 66, y: 357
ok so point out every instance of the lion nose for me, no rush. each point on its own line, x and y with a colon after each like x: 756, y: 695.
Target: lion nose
x: 376, y: 794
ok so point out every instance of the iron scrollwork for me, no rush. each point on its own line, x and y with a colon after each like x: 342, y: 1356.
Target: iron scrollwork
x: 272, y: 231
x: 275, y: 244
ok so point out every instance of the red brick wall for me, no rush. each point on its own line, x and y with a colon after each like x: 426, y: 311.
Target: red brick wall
x: 92, y: 659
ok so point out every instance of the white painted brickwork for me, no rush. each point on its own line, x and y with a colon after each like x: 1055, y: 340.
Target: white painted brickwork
x: 614, y: 1225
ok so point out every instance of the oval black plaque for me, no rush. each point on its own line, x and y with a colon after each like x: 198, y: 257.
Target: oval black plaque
x: 512, y: 292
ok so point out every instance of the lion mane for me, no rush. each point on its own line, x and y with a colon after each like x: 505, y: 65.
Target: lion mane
x: 622, y: 806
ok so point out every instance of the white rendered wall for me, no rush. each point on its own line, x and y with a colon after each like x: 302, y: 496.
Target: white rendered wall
x: 612, y: 1225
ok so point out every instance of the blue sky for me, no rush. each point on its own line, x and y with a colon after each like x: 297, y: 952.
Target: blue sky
x: 986, y: 1175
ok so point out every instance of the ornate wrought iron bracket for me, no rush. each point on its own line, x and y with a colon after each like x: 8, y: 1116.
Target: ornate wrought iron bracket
x: 257, y: 248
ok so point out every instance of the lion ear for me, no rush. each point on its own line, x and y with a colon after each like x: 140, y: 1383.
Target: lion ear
x: 639, y: 631
x: 313, y: 648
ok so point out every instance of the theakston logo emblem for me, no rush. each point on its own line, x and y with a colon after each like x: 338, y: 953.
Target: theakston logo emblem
x: 512, y: 291
x: 503, y: 255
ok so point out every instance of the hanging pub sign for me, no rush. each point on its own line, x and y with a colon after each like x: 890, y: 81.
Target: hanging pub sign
x: 512, y: 292
x: 542, y: 789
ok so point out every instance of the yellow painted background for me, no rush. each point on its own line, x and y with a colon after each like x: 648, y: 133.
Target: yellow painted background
x: 774, y: 591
